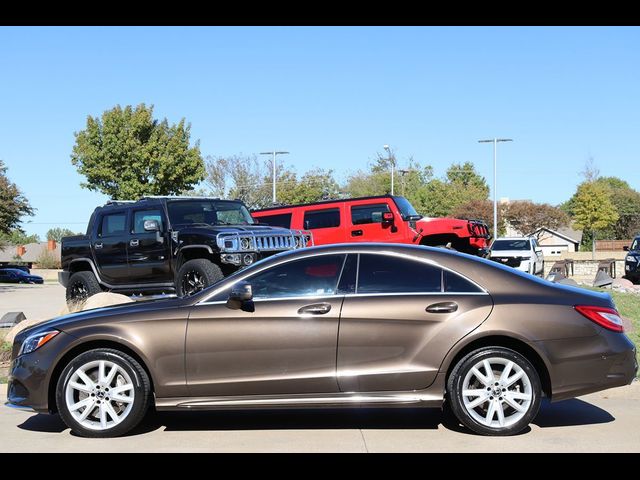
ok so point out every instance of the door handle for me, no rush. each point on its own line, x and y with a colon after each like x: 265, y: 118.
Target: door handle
x: 315, y: 309
x: 356, y: 233
x: 442, y: 307
x: 97, y: 245
x: 134, y: 243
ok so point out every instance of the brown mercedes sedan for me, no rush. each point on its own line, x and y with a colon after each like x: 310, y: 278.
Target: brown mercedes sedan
x: 340, y: 325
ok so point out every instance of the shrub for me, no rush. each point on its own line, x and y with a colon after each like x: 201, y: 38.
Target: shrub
x: 47, y: 260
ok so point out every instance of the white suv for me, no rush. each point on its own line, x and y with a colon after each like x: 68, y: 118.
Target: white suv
x: 521, y: 253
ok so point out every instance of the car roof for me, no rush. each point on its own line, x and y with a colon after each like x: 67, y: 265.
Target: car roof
x: 323, y: 202
x: 514, y: 238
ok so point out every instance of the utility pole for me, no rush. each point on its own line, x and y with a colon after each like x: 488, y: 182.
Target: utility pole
x: 495, y: 176
x: 392, y: 162
x: 274, y: 153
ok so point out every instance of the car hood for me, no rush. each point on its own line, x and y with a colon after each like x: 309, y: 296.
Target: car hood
x: 72, y: 320
x: 215, y: 229
x: 511, y: 253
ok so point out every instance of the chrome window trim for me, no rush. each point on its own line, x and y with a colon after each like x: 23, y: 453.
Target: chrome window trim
x: 482, y: 291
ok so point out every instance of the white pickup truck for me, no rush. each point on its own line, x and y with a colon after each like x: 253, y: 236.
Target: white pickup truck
x: 521, y: 253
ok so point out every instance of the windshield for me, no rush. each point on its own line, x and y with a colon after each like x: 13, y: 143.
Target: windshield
x: 511, y: 245
x: 406, y: 209
x: 208, y: 212
x: 636, y: 244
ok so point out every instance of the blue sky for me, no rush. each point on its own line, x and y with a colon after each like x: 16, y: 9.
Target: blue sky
x: 332, y: 97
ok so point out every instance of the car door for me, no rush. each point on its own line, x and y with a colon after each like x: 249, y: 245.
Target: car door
x: 287, y: 345
x: 401, y: 321
x: 325, y: 224
x: 149, y: 254
x: 367, y: 223
x: 110, y: 247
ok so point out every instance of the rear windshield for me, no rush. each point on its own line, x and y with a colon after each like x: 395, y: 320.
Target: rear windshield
x: 511, y: 245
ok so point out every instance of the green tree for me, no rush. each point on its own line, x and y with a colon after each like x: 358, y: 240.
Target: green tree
x: 626, y: 201
x: 247, y: 178
x: 315, y: 185
x: 461, y: 185
x: 57, y: 233
x: 593, y: 210
x: 13, y: 204
x: 126, y: 153
x: 18, y: 237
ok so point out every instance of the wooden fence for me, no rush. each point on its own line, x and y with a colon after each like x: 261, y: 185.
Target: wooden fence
x: 612, y: 245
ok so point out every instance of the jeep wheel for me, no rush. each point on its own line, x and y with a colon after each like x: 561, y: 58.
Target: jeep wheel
x: 81, y: 286
x: 196, y: 275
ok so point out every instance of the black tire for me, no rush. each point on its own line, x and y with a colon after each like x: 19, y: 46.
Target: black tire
x: 196, y: 275
x: 455, y: 386
x: 81, y: 286
x: 142, y: 392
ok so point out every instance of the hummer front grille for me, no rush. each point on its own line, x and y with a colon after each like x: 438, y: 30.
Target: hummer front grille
x: 263, y: 242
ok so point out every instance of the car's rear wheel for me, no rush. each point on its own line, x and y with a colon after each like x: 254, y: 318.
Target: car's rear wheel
x: 196, y: 275
x: 494, y: 391
x: 103, y: 393
x: 81, y: 286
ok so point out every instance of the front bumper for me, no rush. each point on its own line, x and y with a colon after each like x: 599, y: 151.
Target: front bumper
x: 30, y: 375
x: 632, y: 270
x: 63, y: 278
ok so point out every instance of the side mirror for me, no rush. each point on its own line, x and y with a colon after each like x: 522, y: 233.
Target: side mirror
x: 387, y: 218
x: 241, y: 297
x: 625, y: 248
x: 151, y: 226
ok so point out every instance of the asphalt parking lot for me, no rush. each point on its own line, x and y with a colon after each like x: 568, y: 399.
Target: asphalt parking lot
x: 602, y: 422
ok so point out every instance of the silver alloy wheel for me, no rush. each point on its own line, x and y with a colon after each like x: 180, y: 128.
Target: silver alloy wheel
x: 99, y: 395
x: 497, y: 392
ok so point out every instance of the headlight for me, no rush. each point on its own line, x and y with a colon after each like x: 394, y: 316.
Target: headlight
x: 632, y: 258
x: 37, y: 340
x: 245, y: 244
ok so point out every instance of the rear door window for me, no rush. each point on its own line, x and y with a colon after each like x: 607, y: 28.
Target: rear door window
x: 281, y: 220
x: 327, y: 218
x: 113, y: 224
x: 392, y: 274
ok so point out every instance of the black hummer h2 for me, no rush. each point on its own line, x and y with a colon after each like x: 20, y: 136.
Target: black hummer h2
x: 167, y: 245
x: 632, y: 261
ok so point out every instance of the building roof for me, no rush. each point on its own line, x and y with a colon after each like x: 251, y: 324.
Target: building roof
x: 568, y: 233
x: 33, y: 251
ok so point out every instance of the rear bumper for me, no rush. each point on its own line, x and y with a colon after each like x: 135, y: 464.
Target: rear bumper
x: 589, y: 364
x: 63, y: 278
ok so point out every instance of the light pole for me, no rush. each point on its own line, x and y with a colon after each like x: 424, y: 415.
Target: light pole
x: 402, y: 174
x: 495, y: 175
x: 274, y: 153
x: 391, y: 161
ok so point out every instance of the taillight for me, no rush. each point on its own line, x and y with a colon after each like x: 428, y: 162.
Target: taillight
x: 608, y: 318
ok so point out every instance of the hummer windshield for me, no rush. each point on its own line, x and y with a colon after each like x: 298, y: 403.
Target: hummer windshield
x: 208, y: 212
x: 406, y: 209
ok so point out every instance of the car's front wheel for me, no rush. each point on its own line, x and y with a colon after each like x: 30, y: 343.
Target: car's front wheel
x: 494, y: 391
x: 103, y: 393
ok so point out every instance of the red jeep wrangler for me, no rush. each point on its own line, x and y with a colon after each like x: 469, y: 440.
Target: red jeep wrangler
x: 377, y: 219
